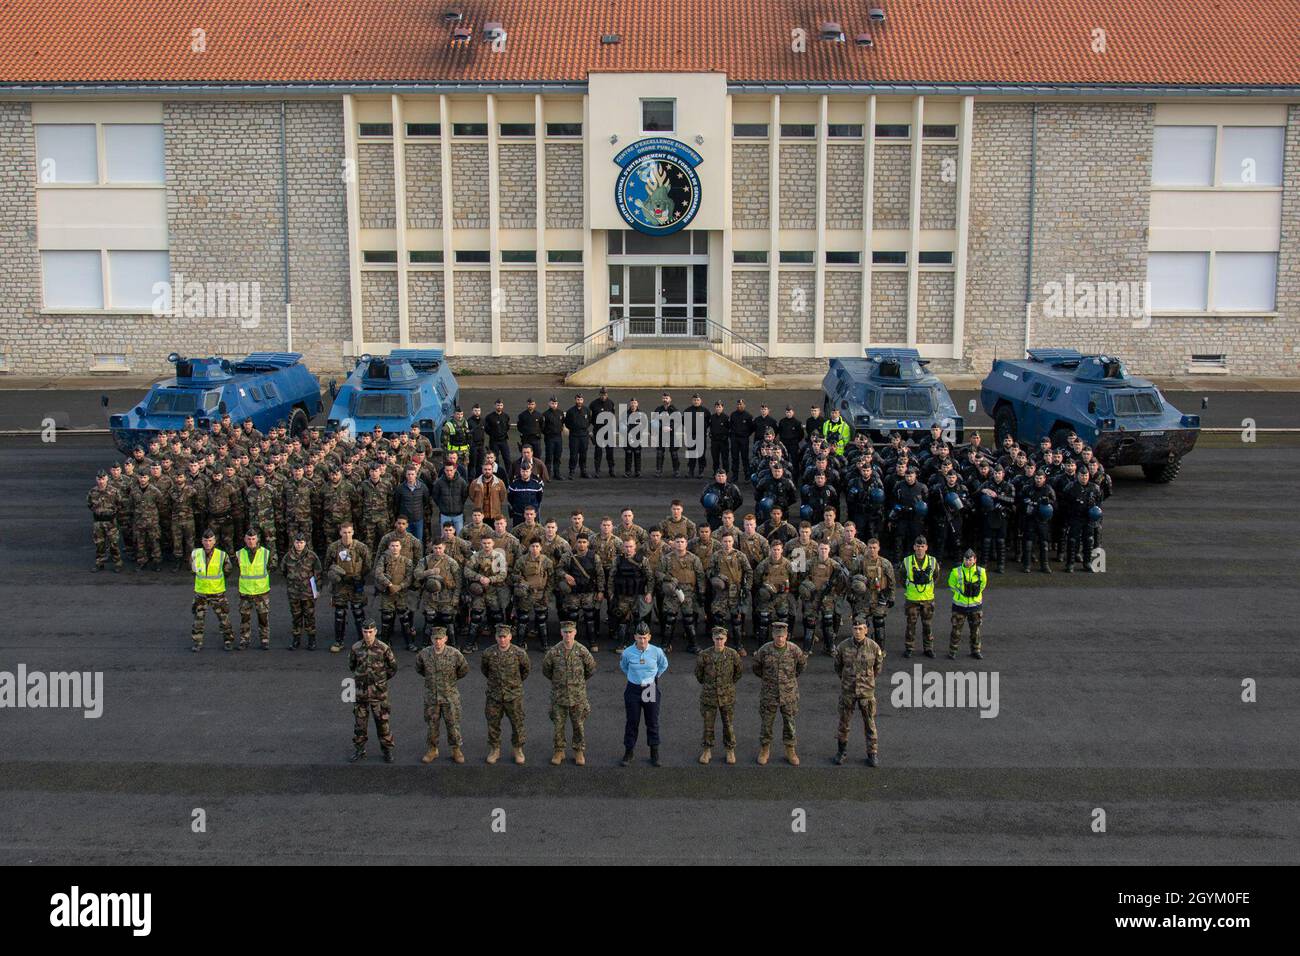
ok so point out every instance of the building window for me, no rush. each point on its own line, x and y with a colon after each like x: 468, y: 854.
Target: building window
x: 518, y: 129
x: 749, y: 129
x: 658, y: 116
x: 469, y: 129
x: 797, y: 258
x: 747, y: 258
x: 843, y: 258
x: 379, y: 257
x: 844, y: 130
x: 133, y: 277
x: 934, y: 258
x: 798, y: 130
x: 889, y: 258
x: 1183, y: 156
x: 1204, y: 362
x: 563, y: 129
x: 375, y: 129
x: 472, y: 256
x: 562, y: 256
x: 425, y: 256
x: 66, y: 153
x: 423, y: 129
x: 518, y: 255
x: 1179, y: 281
x: 893, y: 131
x: 1251, y: 156
x: 133, y: 152
x: 939, y: 131
x: 73, y: 279
x: 1245, y: 281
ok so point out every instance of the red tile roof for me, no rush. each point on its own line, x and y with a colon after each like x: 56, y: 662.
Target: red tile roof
x: 1167, y: 42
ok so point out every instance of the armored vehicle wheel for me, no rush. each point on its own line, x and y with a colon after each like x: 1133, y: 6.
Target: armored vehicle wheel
x: 1163, y: 474
x: 297, y: 422
x: 1004, y: 423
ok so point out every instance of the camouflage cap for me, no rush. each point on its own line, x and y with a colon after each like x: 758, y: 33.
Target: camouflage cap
x: 567, y: 626
x: 369, y: 624
x: 780, y: 627
x: 101, y: 473
x: 300, y: 535
x: 504, y: 629
x: 437, y: 632
x: 720, y: 632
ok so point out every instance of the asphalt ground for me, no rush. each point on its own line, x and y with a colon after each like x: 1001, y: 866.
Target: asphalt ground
x: 1119, y: 692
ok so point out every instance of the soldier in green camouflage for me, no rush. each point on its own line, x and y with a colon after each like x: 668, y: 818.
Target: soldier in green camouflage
x: 262, y: 506
x: 774, y: 581
x: 394, y: 575
x: 184, y: 499
x: 580, y: 585
x: 732, y: 578
x: 820, y: 585
x: 858, y: 662
x: 373, y: 665
x: 121, y: 483
x: 568, y: 666
x: 374, y: 504
x: 485, y: 582
x: 717, y: 668
x: 163, y: 482
x: 146, y: 500
x: 347, y: 562
x: 778, y: 664
x: 506, y: 667
x: 532, y: 580
x: 680, y: 579
x: 441, y: 666
x: 103, y: 502
x: 298, y: 501
x: 871, y: 592
x: 338, y: 499
x: 210, y: 567
x: 222, y: 495
x: 437, y: 581
x: 302, y: 569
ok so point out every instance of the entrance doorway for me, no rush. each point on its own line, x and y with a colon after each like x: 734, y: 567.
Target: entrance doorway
x: 660, y: 295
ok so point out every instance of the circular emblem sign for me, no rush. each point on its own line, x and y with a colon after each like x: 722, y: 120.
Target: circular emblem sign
x: 658, y: 190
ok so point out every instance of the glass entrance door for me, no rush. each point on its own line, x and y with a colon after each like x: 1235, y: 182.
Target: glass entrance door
x: 661, y: 300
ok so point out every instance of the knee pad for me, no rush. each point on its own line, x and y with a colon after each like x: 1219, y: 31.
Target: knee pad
x: 688, y: 624
x: 669, y: 623
x: 540, y: 616
x: 764, y: 620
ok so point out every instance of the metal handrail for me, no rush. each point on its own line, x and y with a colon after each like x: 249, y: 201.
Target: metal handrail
x: 719, y: 338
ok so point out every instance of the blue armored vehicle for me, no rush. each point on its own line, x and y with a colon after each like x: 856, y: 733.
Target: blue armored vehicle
x: 1124, y: 418
x: 406, y: 387
x: 268, y: 387
x: 890, y: 390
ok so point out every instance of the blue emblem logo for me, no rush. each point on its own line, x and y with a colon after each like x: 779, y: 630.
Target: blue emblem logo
x: 658, y: 191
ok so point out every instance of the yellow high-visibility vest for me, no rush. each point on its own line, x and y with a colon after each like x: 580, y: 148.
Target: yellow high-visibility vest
x: 209, y: 579
x: 253, y: 577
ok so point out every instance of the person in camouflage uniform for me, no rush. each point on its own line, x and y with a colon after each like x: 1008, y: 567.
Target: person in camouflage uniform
x: 262, y: 505
x: 732, y: 579
x: 717, y: 669
x: 200, y: 559
x: 146, y: 500
x: 373, y: 500
x: 122, y: 483
x: 184, y: 500
x: 437, y: 580
x: 259, y: 602
x: 298, y: 503
x: 778, y: 664
x: 871, y: 591
x: 347, y: 562
x: 506, y: 667
x: 222, y: 496
x: 104, y: 504
x: 568, y: 666
x: 680, y: 578
x: 442, y: 666
x: 301, y: 567
x: 484, y: 577
x: 774, y: 581
x: 532, y: 580
x: 412, y: 548
x: 373, y: 665
x: 338, y: 500
x: 163, y: 482
x: 394, y: 575
x: 819, y: 588
x: 858, y: 662
x: 580, y: 583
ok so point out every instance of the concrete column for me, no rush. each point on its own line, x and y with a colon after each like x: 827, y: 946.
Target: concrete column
x: 774, y: 223
x: 914, y: 219
x: 448, y: 257
x: 868, y: 215
x: 494, y: 226
x: 819, y: 256
x: 399, y: 209
x: 593, y: 273
x: 353, y: 191
x: 722, y: 314
x: 539, y: 165
x: 963, y: 225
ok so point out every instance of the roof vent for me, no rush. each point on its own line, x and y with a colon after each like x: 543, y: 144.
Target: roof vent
x: 452, y: 16
x: 610, y: 38
x: 876, y: 14
x: 862, y: 39
x: 493, y: 30
x: 461, y: 36
x: 831, y: 31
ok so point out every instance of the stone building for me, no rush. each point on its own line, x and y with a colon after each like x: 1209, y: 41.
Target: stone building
x: 355, y: 175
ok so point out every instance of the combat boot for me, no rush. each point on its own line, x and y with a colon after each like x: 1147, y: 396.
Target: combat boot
x: 580, y: 758
x: 295, y: 643
x: 706, y: 755
x: 841, y: 753
x: 873, y: 760
x: 457, y: 756
x: 1024, y: 564
x: 791, y: 756
x: 389, y: 757
x: 654, y: 757
x: 627, y: 758
x: 336, y: 647
x: 357, y: 754
x: 1001, y: 551
x: 557, y: 758
x: 519, y: 755
x: 978, y: 655
x: 763, y: 753
x: 430, y: 755
x: 731, y: 755
x: 311, y: 643
x: 494, y: 754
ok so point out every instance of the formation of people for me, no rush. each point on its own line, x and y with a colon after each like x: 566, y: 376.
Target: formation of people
x: 451, y: 538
